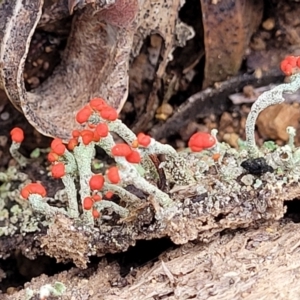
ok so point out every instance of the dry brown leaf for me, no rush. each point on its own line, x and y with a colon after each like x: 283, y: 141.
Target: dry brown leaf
x: 228, y: 27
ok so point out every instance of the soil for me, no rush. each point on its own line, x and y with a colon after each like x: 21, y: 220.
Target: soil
x: 150, y: 269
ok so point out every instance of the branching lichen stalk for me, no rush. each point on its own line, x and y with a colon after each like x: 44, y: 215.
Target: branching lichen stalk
x: 121, y: 211
x: 272, y: 97
x: 71, y: 191
x: 83, y: 155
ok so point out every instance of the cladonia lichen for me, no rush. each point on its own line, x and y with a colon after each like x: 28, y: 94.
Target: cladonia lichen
x: 146, y: 178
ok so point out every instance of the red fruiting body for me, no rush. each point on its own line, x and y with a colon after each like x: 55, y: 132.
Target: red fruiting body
x: 58, y: 170
x: 96, y: 197
x: 17, y: 135
x: 216, y: 156
x: 52, y: 157
x: 143, y: 139
x: 87, y: 136
x: 292, y: 60
x: 92, y: 126
x: 289, y: 64
x: 87, y: 203
x: 108, y: 195
x: 98, y: 104
x: 121, y: 150
x: 298, y: 62
x: 83, y: 115
x: 95, y: 213
x: 96, y: 182
x: 25, y: 192
x: 134, y: 157
x: 200, y: 141
x: 72, y: 143
x: 102, y: 130
x: 286, y: 68
x: 58, y: 147
x: 109, y: 113
x: 96, y: 136
x: 33, y: 188
x: 113, y: 175
x: 75, y: 133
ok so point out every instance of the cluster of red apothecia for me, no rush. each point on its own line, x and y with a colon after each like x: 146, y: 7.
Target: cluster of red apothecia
x: 94, y: 134
x: 290, y: 65
x: 198, y: 142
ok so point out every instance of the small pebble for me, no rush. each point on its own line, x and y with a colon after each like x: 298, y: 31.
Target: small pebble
x: 48, y: 49
x: 268, y: 24
x: 33, y: 81
x: 164, y: 112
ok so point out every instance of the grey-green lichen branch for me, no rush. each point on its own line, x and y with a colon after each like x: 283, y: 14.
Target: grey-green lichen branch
x: 86, y: 191
x: 272, y: 97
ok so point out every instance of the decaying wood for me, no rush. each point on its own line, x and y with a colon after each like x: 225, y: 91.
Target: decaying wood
x: 221, y: 199
x: 262, y: 263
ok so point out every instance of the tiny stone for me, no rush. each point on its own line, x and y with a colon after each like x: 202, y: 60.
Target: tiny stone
x: 269, y: 24
x: 258, y: 73
x: 33, y: 81
x: 48, y: 49
x: 164, y: 112
x: 11, y: 290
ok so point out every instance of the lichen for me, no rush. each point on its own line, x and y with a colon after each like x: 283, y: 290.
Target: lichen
x: 205, y: 192
x: 16, y: 215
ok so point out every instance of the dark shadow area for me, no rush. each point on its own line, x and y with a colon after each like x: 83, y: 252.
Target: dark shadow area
x: 17, y: 269
x: 142, y: 253
x: 293, y: 210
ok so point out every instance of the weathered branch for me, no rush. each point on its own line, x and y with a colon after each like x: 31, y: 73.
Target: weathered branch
x: 253, y: 264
